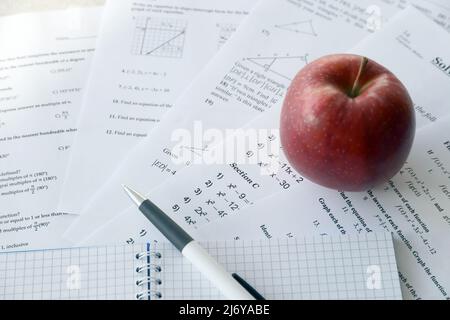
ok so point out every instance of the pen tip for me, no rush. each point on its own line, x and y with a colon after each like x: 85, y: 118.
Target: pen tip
x: 134, y: 195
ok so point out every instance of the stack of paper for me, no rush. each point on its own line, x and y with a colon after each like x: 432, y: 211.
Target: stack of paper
x: 151, y: 107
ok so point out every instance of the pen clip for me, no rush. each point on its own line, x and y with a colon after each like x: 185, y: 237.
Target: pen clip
x: 248, y: 287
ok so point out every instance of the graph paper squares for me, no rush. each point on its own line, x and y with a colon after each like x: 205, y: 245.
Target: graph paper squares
x: 346, y: 267
x: 319, y: 268
x: 158, y: 37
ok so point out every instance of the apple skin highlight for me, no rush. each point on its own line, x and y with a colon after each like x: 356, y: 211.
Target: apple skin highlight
x: 345, y: 124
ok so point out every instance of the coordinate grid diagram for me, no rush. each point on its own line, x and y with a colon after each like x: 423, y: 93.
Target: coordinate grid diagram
x: 157, y: 37
x: 303, y: 27
x: 280, y: 65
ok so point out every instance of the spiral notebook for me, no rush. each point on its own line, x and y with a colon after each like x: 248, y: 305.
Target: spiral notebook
x: 346, y: 267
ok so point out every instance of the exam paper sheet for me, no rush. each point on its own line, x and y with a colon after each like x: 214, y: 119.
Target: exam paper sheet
x: 44, y: 62
x: 203, y: 194
x: 147, y: 54
x: 414, y: 205
x: 250, y: 75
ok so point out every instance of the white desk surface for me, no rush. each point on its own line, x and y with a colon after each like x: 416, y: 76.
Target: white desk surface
x: 8, y: 7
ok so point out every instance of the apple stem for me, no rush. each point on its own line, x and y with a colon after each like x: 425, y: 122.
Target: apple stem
x: 362, y: 66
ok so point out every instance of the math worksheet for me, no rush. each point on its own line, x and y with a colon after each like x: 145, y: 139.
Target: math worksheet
x: 414, y: 206
x: 245, y: 79
x: 148, y: 52
x: 225, y: 202
x: 44, y: 64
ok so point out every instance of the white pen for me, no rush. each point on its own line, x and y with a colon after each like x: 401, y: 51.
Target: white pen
x: 230, y: 285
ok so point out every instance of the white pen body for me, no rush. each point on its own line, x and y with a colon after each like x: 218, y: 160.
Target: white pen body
x: 215, y: 272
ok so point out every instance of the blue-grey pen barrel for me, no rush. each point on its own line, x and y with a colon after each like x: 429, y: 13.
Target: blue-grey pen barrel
x: 174, y: 233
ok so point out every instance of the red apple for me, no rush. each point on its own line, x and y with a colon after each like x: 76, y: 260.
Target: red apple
x: 347, y: 123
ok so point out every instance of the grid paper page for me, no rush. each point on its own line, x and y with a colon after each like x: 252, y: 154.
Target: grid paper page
x: 106, y: 272
x: 345, y: 267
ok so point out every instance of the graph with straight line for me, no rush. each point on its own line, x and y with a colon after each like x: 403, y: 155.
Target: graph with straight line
x: 159, y: 37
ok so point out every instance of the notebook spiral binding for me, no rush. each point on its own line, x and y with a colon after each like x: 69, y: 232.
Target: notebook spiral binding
x: 149, y: 284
